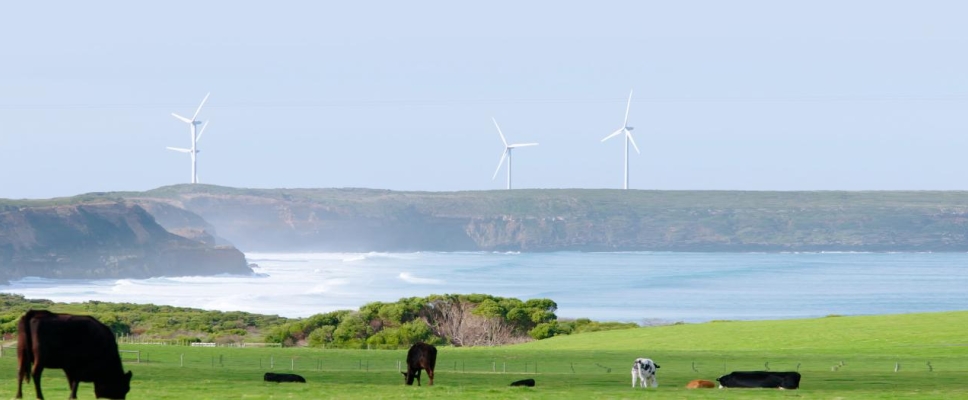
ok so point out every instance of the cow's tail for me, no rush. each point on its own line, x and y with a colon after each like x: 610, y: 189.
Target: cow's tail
x: 25, y: 347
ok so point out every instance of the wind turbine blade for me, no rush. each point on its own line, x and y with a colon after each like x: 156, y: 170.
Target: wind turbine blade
x: 179, y: 149
x: 629, y: 135
x: 503, y: 155
x: 627, y: 107
x: 200, y: 105
x: 512, y: 146
x: 201, y: 131
x: 620, y: 130
x: 185, y: 120
x: 499, y: 132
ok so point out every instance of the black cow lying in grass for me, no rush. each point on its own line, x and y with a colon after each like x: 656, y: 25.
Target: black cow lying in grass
x: 760, y: 379
x: 274, y: 377
x: 420, y: 356
x: 524, y: 382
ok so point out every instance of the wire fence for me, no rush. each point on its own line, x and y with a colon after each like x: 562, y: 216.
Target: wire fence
x: 340, y: 362
x: 128, y: 339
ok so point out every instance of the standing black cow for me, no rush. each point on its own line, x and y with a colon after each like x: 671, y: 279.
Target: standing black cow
x: 80, y: 345
x: 760, y: 379
x: 420, y: 356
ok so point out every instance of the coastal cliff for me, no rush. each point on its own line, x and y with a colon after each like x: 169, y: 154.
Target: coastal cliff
x: 104, y: 239
x: 361, y: 220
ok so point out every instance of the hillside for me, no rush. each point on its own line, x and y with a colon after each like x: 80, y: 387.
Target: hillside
x: 363, y: 220
x: 101, y: 239
x: 572, y: 219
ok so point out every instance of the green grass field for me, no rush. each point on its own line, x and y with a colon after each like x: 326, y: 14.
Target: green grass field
x: 839, y: 358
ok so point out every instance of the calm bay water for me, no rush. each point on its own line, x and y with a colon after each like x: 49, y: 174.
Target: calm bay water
x: 632, y: 286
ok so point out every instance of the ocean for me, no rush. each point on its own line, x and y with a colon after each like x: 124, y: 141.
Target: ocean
x: 642, y: 287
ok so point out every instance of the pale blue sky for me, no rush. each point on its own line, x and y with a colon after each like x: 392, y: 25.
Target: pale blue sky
x: 747, y: 95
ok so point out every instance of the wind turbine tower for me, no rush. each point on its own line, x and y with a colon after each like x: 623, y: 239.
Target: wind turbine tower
x: 628, y: 138
x: 196, y: 135
x: 507, y: 153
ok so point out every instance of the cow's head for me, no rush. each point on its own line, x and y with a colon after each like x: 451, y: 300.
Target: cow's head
x: 410, y: 375
x: 113, y: 388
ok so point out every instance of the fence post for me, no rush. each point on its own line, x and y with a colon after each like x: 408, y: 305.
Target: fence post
x: 292, y: 364
x: 181, y: 360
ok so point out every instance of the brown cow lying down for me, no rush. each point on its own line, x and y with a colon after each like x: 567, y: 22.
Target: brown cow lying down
x: 524, y: 382
x: 700, y: 384
x: 274, y: 377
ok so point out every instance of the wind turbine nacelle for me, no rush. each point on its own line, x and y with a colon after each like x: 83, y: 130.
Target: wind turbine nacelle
x: 629, y: 128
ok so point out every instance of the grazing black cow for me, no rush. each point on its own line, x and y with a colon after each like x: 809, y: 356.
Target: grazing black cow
x: 420, y: 356
x: 760, y: 379
x: 524, y: 382
x: 80, y: 345
x: 274, y: 377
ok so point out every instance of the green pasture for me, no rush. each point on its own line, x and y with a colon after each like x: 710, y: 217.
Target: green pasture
x: 839, y: 358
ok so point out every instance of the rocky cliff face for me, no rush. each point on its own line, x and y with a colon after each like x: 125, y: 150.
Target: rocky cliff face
x: 102, y: 240
x: 582, y: 220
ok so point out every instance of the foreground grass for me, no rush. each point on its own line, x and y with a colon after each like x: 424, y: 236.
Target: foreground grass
x: 844, y: 357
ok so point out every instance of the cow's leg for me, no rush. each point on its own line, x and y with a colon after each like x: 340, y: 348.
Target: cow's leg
x: 633, y: 379
x: 655, y: 382
x: 36, y: 375
x: 72, y: 383
x: 21, y: 375
x: 418, y: 377
x: 430, y: 373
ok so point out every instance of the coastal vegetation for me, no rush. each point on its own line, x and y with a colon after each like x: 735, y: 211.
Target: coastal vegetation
x: 449, y: 319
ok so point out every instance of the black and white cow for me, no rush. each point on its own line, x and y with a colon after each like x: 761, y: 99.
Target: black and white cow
x: 760, y: 379
x: 643, y: 370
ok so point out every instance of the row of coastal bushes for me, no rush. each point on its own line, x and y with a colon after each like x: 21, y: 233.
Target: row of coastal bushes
x: 449, y: 319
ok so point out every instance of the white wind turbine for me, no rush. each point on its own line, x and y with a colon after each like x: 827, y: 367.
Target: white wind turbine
x: 507, y: 152
x: 628, y: 138
x: 193, y: 124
